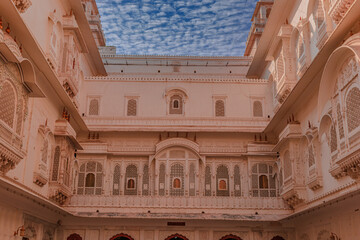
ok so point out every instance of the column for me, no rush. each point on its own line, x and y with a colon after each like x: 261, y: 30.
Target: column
x: 122, y: 178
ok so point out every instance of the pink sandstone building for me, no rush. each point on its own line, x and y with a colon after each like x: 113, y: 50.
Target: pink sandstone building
x: 100, y: 146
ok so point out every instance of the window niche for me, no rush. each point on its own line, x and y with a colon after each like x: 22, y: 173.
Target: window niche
x: 219, y: 102
x: 131, y: 105
x: 93, y: 106
x: 175, y: 101
x: 257, y: 107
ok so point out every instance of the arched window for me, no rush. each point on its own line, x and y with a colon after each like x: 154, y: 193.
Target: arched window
x: 176, y: 104
x: 20, y: 117
x: 222, y: 179
x: 219, y: 108
x: 287, y: 165
x: 257, y: 109
x: 277, y: 238
x: 353, y: 109
x: 94, y: 107
x: 116, y: 180
x: 7, y: 104
x: 280, y: 66
x: 145, y: 188
x: 131, y: 177
x: 207, y: 181
x: 176, y: 183
x: 176, y: 237
x: 311, y: 157
x: 131, y: 107
x: 263, y: 182
x: 162, y: 180
x: 55, y: 168
x: 177, y: 174
x: 44, y: 151
x: 237, y: 181
x: 333, y: 139
x: 90, y: 179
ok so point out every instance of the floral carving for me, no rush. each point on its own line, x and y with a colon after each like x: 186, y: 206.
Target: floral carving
x: 22, y: 5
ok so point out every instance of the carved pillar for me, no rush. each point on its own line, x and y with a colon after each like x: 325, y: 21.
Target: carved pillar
x: 289, y: 60
x: 305, y: 29
x: 213, y: 180
x: 122, y: 179
x: 140, y: 179
x: 167, y: 178
x: 198, y: 177
x: 231, y: 179
x: 108, y: 170
x: 186, y: 178
x: 156, y: 176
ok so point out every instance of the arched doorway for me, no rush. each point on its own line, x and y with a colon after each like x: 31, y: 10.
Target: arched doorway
x: 176, y: 237
x: 121, y: 236
x: 74, y: 236
x: 230, y: 237
x: 277, y: 238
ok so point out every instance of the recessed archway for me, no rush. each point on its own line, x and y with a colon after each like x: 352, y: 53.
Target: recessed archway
x: 176, y: 237
x: 277, y: 238
x: 121, y: 236
x: 74, y: 236
x: 230, y: 237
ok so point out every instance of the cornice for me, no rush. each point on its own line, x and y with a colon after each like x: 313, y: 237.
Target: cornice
x: 176, y: 78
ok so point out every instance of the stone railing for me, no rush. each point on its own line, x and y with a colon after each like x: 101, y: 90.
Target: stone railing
x: 186, y: 203
x: 174, y: 123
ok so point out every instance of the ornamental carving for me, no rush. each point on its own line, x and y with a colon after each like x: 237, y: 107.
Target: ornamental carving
x: 348, y: 71
x: 339, y: 9
x: 22, y: 5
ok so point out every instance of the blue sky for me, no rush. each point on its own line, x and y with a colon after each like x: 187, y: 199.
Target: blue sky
x: 177, y: 27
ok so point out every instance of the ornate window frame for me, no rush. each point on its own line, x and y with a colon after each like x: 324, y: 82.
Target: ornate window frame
x: 176, y: 91
x: 219, y: 97
x: 89, y: 99
x: 135, y: 97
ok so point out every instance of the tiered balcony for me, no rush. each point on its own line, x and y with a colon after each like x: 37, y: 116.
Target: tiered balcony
x: 10, y: 148
x: 189, y: 205
x: 338, y: 9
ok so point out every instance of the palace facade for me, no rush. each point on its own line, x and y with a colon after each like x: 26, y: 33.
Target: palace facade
x: 100, y: 146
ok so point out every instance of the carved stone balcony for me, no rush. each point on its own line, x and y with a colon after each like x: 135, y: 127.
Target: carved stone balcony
x: 63, y: 128
x: 10, y: 148
x: 292, y: 193
x: 22, y: 5
x: 284, y: 88
x: 338, y: 9
x: 176, y: 123
x: 130, y: 205
x: 347, y: 165
x: 59, y: 192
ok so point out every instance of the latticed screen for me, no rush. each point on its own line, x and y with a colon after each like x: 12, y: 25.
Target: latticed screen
x: 55, y: 170
x: 20, y: 117
x: 44, y: 153
x: 300, y: 46
x: 145, y: 188
x: 116, y: 180
x: 311, y: 155
x: 162, y: 180
x: 219, y: 108
x: 131, y: 177
x: 257, y: 109
x: 280, y: 66
x: 340, y: 121
x: 333, y: 139
x: 287, y: 165
x: 131, y: 107
x: 353, y: 109
x: 192, y: 180
x: 7, y: 104
x: 176, y: 174
x: 222, y: 180
x: 94, y: 107
x: 176, y: 105
x: 90, y: 179
x: 237, y: 182
x: 263, y: 184
x: 207, y: 181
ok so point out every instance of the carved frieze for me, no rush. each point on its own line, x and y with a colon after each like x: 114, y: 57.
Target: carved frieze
x: 339, y: 8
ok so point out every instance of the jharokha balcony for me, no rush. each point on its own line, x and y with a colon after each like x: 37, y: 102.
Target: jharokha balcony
x: 240, y: 208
